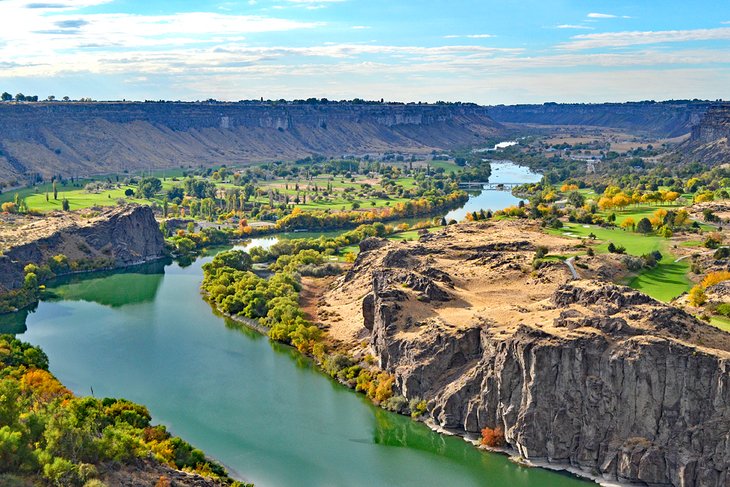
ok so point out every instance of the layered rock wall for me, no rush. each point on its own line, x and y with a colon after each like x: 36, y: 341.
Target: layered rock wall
x: 597, y: 377
x: 81, y: 139
x: 119, y: 237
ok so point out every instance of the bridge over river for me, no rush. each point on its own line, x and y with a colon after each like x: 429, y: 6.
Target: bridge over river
x: 489, y: 186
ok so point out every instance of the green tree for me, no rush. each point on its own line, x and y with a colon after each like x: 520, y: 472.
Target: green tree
x: 644, y: 226
x: 148, y: 187
x: 55, y: 190
x: 6, y: 96
x: 65, y: 204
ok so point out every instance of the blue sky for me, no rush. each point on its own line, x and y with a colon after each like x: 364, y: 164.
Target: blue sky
x: 485, y: 51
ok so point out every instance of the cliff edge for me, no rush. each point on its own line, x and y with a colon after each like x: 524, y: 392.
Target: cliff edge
x: 578, y: 373
x: 82, y: 139
x: 108, y: 238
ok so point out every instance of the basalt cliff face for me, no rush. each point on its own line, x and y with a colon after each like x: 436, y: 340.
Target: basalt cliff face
x: 578, y: 373
x: 113, y: 237
x: 710, y: 138
x: 89, y: 138
x: 664, y: 119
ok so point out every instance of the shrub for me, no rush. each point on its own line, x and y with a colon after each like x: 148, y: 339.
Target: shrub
x: 722, y: 253
x: 697, y: 296
x: 541, y: 251
x: 715, y: 278
x: 493, y: 438
x: 723, y: 309
x: 397, y: 404
x: 418, y: 407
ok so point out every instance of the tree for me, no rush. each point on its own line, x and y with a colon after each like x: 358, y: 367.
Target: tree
x: 55, y: 190
x: 128, y: 192
x: 697, y: 296
x: 20, y: 97
x: 644, y: 226
x: 9, y: 207
x: 65, y: 205
x: 148, y: 187
x: 628, y: 224
x: 6, y: 96
x: 576, y: 199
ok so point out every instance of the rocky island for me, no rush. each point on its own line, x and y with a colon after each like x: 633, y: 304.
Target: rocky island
x: 580, y: 374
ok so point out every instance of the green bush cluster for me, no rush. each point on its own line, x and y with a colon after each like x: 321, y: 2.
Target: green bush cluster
x: 49, y: 435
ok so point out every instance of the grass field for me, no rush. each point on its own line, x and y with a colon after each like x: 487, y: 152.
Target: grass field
x: 721, y: 322
x: 77, y: 198
x: 664, y: 282
x: 636, y: 244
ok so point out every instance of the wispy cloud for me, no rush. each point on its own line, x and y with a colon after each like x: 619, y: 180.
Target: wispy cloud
x: 634, y: 38
x: 468, y: 36
x: 574, y: 26
x: 597, y: 15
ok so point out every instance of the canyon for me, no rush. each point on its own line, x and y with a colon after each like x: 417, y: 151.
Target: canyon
x: 84, y: 139
x: 579, y: 374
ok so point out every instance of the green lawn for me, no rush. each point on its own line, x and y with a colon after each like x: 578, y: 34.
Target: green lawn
x: 664, y: 282
x: 636, y: 244
x: 77, y: 198
x: 721, y: 322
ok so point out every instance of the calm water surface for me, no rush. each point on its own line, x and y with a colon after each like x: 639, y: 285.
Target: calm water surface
x: 258, y: 407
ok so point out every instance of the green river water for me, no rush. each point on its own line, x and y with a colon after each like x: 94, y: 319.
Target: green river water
x: 258, y: 407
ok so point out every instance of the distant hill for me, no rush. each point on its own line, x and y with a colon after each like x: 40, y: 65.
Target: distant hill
x: 81, y: 139
x: 658, y: 119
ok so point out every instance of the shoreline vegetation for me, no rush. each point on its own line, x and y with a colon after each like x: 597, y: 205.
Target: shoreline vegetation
x: 48, y: 434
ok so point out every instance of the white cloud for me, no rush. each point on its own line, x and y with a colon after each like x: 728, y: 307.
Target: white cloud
x: 633, y: 38
x: 594, y: 15
x: 361, y: 27
x: 574, y: 26
x: 468, y: 36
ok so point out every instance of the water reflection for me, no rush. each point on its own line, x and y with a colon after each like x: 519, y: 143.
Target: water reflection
x: 133, y: 285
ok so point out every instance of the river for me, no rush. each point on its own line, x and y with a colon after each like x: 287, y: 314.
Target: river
x: 258, y: 407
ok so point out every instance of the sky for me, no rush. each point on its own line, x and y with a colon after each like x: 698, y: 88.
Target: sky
x: 482, y: 51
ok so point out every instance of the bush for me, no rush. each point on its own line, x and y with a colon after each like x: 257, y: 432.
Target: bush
x: 723, y: 309
x: 697, y: 296
x: 541, y: 251
x: 397, y: 404
x: 493, y: 438
x: 722, y: 253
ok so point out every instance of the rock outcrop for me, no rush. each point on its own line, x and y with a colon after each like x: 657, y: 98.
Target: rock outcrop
x: 583, y: 374
x: 81, y: 139
x: 710, y: 138
x: 112, y: 237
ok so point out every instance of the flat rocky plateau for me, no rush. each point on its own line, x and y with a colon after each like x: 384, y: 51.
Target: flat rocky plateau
x: 581, y: 373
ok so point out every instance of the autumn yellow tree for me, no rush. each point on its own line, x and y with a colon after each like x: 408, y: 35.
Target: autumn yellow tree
x: 628, y: 224
x: 670, y: 196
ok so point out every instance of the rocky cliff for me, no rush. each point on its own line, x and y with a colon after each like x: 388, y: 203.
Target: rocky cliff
x: 88, y: 138
x: 113, y: 237
x: 664, y: 119
x: 710, y: 138
x: 578, y: 373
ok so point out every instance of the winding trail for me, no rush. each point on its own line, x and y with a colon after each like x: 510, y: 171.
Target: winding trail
x: 569, y: 263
